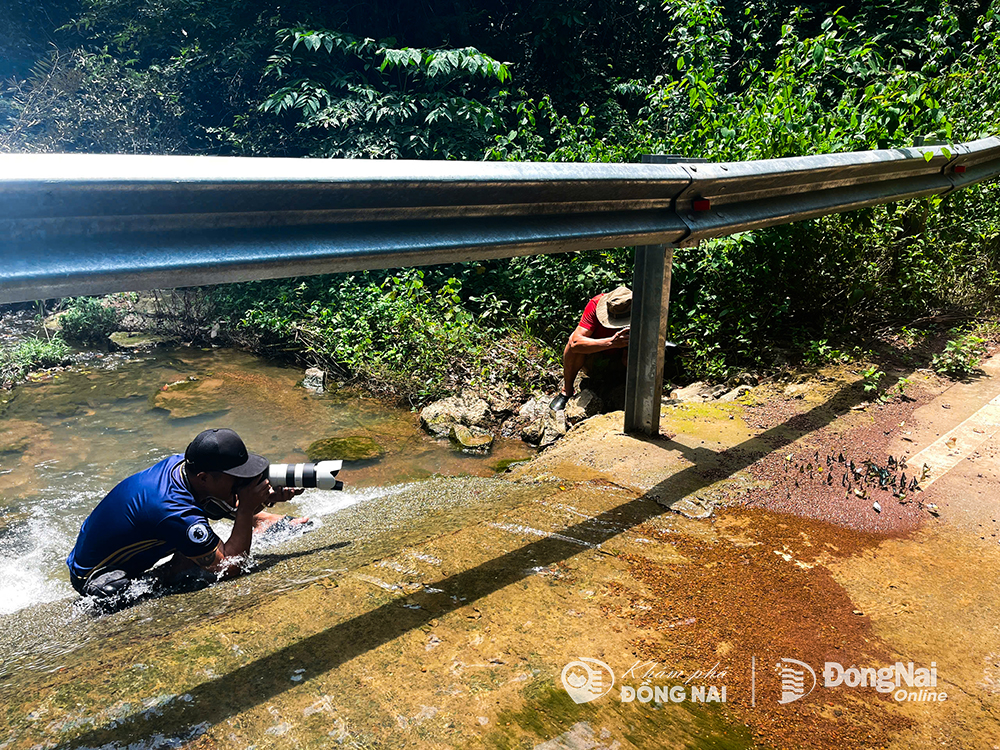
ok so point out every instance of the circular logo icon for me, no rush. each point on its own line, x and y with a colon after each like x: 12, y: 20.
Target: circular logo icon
x: 198, y: 532
x: 587, y: 679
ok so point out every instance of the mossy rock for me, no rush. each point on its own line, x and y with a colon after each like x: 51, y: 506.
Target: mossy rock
x: 471, y: 439
x: 506, y: 463
x: 54, y: 322
x: 351, y: 448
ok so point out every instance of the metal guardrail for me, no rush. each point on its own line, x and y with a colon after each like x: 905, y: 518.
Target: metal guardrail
x: 755, y: 194
x: 92, y: 224
x: 82, y: 224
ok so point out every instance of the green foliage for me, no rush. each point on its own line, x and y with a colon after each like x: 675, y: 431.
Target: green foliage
x: 870, y: 380
x: 362, y: 98
x: 961, y: 355
x: 899, y: 390
x: 89, y: 321
x: 821, y: 353
x: 29, y: 355
x: 850, y: 81
x: 91, y: 102
x: 911, y: 337
x: 586, y: 82
x: 395, y: 332
x: 552, y: 290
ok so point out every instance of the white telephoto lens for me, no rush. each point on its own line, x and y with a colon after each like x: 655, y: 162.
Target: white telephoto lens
x: 322, y: 475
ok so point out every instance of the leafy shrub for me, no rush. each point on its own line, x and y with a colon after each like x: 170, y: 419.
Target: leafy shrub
x: 92, y: 102
x: 870, y: 379
x: 821, y: 352
x: 397, y: 332
x: 960, y: 357
x: 753, y: 80
x: 89, y: 322
x: 899, y: 390
x: 357, y: 97
x: 827, y: 85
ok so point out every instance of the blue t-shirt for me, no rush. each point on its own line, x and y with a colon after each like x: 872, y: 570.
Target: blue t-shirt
x: 145, y: 518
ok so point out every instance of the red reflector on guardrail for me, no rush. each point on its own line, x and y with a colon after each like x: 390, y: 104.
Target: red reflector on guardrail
x: 701, y: 204
x: 960, y: 168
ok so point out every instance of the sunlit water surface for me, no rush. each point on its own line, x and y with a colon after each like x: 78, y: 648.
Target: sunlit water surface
x: 67, y: 438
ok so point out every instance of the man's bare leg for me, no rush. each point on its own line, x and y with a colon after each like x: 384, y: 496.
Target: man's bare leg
x: 573, y: 362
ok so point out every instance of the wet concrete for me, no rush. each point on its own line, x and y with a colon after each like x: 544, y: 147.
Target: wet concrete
x: 452, y: 628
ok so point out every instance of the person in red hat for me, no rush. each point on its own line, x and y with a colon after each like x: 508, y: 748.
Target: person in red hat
x: 166, y: 509
x: 603, y: 328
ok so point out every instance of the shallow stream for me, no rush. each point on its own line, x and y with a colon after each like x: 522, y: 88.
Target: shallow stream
x: 67, y: 437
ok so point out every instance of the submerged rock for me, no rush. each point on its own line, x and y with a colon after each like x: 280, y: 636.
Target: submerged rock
x: 349, y: 448
x: 193, y: 397
x: 467, y: 409
x: 17, y: 435
x: 472, y: 438
x: 138, y: 340
x: 506, y: 464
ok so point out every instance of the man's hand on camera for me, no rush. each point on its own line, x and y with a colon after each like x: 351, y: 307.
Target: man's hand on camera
x: 620, y: 339
x: 282, y: 494
x: 260, y: 495
x: 254, y: 497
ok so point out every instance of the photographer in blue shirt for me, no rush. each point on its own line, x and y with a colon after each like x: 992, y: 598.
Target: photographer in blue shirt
x: 166, y: 509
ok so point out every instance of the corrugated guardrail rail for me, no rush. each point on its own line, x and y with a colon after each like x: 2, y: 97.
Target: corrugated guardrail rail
x: 90, y: 224
x: 74, y: 224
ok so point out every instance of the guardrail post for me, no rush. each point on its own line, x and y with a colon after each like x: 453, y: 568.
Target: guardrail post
x: 650, y: 300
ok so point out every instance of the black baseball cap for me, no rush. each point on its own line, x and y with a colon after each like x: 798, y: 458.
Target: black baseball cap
x: 222, y: 450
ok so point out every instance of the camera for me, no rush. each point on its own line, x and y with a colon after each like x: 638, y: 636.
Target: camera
x: 322, y: 475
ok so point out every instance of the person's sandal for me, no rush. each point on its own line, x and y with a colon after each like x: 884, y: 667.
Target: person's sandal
x: 559, y: 402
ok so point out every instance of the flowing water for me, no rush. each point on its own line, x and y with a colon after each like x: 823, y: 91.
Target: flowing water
x: 67, y: 437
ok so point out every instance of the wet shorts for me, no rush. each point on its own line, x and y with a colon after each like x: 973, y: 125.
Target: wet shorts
x: 105, y: 585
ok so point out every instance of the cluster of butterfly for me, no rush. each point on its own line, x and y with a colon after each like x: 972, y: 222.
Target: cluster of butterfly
x: 859, y: 479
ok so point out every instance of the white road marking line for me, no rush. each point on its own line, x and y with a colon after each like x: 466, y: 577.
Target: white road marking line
x: 947, y: 451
